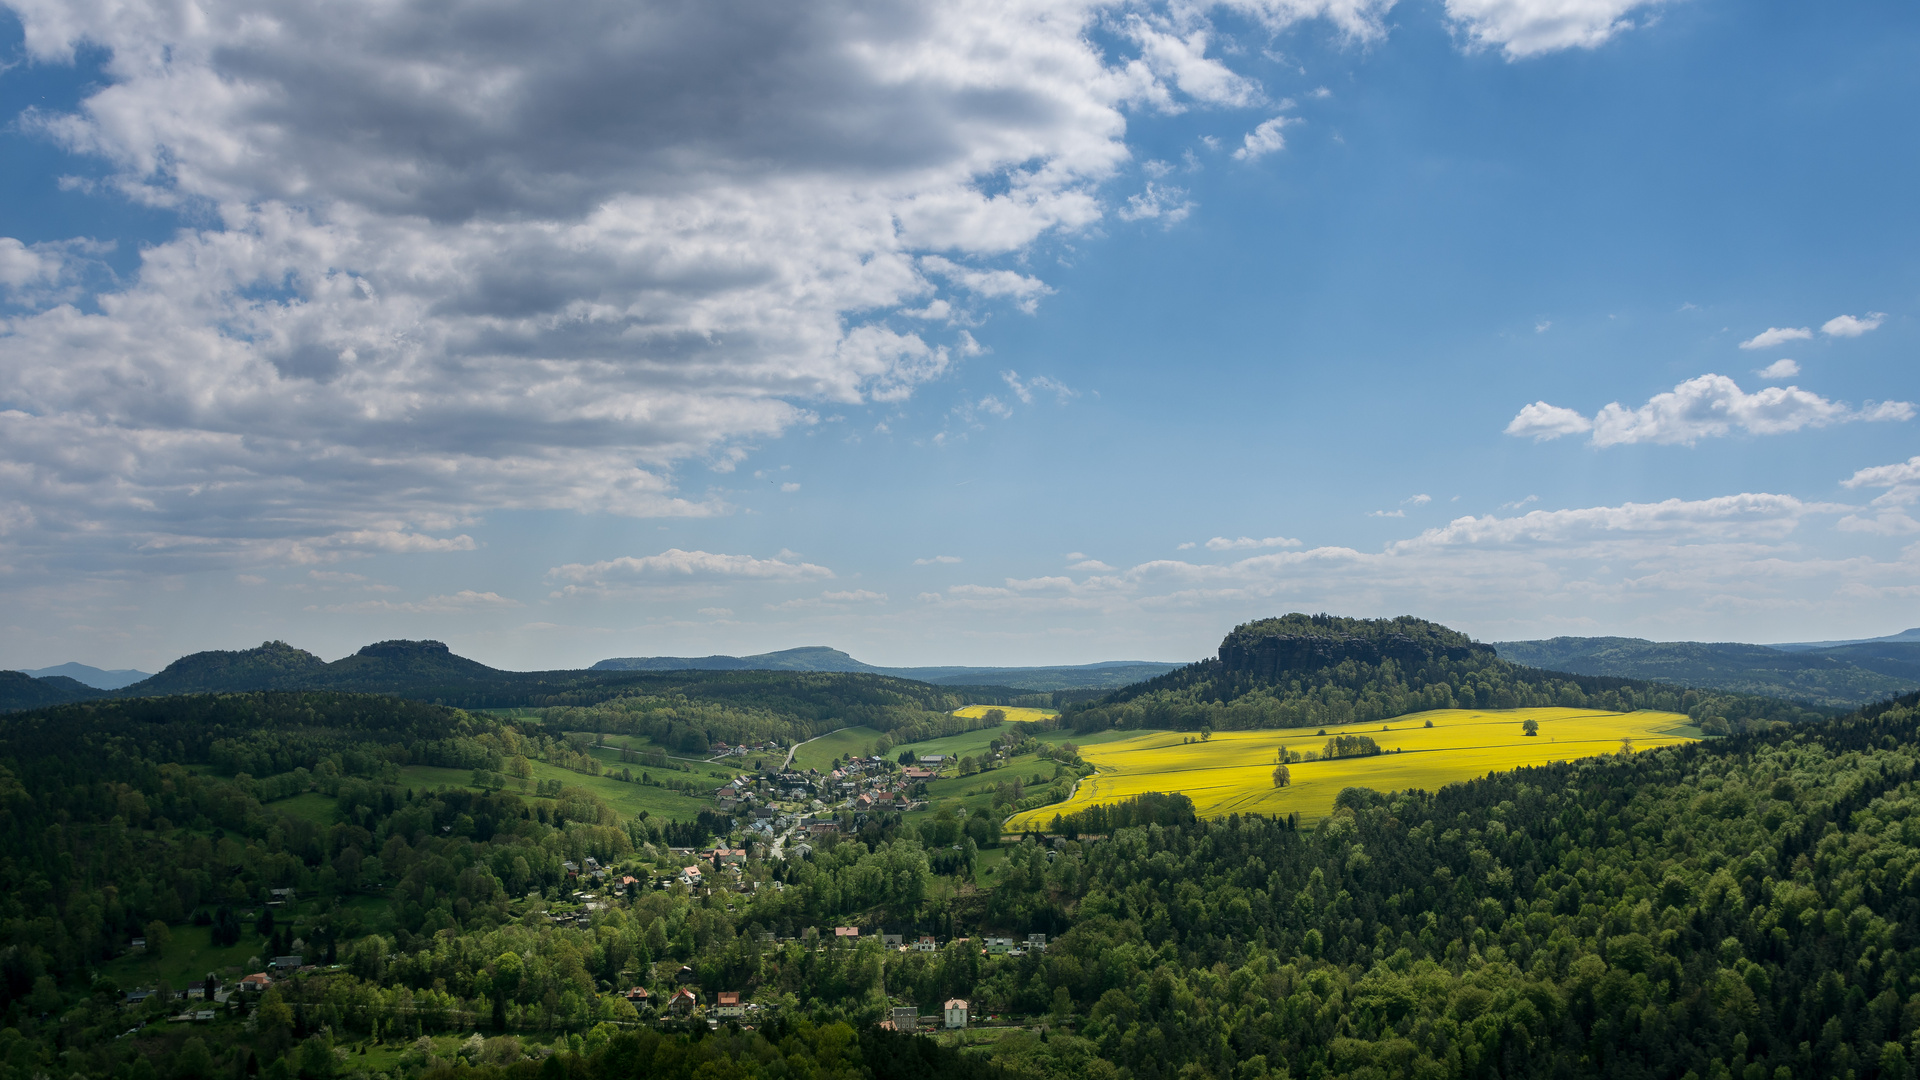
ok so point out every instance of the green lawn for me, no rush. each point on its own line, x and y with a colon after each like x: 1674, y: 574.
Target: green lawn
x: 965, y: 743
x: 188, y: 958
x: 819, y: 753
x: 310, y: 805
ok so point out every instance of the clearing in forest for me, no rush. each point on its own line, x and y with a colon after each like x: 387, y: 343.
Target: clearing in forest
x: 1232, y: 772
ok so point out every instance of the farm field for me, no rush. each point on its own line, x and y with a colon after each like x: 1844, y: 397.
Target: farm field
x: 1015, y: 714
x: 819, y: 753
x: 1233, y: 771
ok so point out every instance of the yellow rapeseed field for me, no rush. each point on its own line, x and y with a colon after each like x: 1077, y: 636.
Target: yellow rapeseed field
x: 1233, y: 771
x: 1014, y: 714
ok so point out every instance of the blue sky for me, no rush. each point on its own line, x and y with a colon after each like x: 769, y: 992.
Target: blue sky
x: 1042, y: 332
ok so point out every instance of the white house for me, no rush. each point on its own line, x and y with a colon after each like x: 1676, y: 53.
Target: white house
x: 956, y: 1013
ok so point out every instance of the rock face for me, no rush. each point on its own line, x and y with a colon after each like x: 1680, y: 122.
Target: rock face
x: 1273, y: 649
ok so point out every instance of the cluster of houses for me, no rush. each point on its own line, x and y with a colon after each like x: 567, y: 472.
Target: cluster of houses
x: 721, y: 749
x: 868, y: 783
x: 685, y: 1003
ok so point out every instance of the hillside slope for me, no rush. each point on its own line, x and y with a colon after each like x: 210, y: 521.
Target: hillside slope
x: 19, y: 690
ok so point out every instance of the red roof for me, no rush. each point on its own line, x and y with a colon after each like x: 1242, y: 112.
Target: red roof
x: 729, y: 997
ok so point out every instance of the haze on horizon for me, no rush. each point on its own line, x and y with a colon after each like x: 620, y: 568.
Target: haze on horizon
x: 1046, y: 332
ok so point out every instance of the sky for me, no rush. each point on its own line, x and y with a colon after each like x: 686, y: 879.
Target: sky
x: 1008, y: 332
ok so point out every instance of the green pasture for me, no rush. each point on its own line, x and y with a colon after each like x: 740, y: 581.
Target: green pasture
x: 308, y: 806
x: 819, y: 753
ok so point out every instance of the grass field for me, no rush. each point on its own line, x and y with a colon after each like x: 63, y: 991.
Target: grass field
x: 819, y: 753
x: 310, y: 805
x: 1233, y: 772
x: 626, y: 799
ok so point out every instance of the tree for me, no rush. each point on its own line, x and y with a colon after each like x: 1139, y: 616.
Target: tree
x: 1282, y: 776
x: 906, y: 757
x: 1530, y: 726
x: 995, y: 717
x: 158, y: 938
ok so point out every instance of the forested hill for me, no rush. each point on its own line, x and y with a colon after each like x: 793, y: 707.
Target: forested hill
x: 429, y: 671
x: 1844, y: 674
x: 1300, y: 670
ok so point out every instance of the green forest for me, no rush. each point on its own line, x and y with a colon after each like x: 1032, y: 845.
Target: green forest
x: 1742, y: 907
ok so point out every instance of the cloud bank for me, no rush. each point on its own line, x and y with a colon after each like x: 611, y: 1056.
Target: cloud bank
x: 1709, y: 406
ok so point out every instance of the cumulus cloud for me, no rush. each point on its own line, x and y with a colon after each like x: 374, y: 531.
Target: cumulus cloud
x: 1779, y: 369
x: 1523, y: 28
x: 1704, y: 407
x: 1853, y: 326
x: 1543, y: 421
x: 937, y: 560
x: 1221, y: 543
x: 1777, y: 335
x: 1902, y: 483
x: 513, y: 257
x: 1265, y: 139
x: 1091, y: 566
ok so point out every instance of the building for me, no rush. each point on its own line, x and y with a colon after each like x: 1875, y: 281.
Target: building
x: 639, y: 998
x: 683, y: 1002
x: 926, y: 944
x: 285, y: 963
x: 729, y: 1006
x: 728, y: 856
x: 256, y: 983
x: 686, y: 975
x: 891, y: 940
x: 956, y: 1013
x: 1037, y: 942
x: 691, y: 876
x: 999, y: 946
x: 846, y: 933
x: 138, y: 944
x: 906, y: 1018
x: 933, y: 760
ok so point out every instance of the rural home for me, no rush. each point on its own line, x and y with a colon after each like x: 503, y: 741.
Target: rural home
x: 956, y: 1013
x: 729, y: 1005
x: 683, y: 1002
x: 906, y: 1018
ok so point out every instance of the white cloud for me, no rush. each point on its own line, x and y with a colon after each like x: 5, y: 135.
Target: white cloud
x: 1779, y: 369
x: 675, y: 563
x: 1850, y: 326
x: 466, y: 600
x: 789, y: 487
x: 1185, y: 546
x: 1221, y: 543
x: 1544, y: 421
x: 1091, y: 566
x: 1387, y: 513
x: 1522, y: 28
x: 937, y: 560
x: 1025, y: 389
x: 515, y: 257
x: 1777, y: 335
x: 1692, y: 564
x: 715, y: 612
x: 1902, y: 483
x: 1164, y: 203
x: 1703, y: 407
x: 1025, y: 291
x: 1268, y: 137
x: 1416, y: 500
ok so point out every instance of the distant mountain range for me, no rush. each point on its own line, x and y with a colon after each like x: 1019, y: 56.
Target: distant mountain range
x: 89, y: 676
x: 1102, y: 676
x: 1833, y: 674
x: 429, y: 671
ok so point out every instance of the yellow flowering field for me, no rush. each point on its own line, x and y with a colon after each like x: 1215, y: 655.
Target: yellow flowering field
x: 1014, y: 715
x: 1233, y: 771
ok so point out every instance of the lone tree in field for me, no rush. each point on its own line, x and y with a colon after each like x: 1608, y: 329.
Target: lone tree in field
x: 1529, y: 726
x: 1282, y: 776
